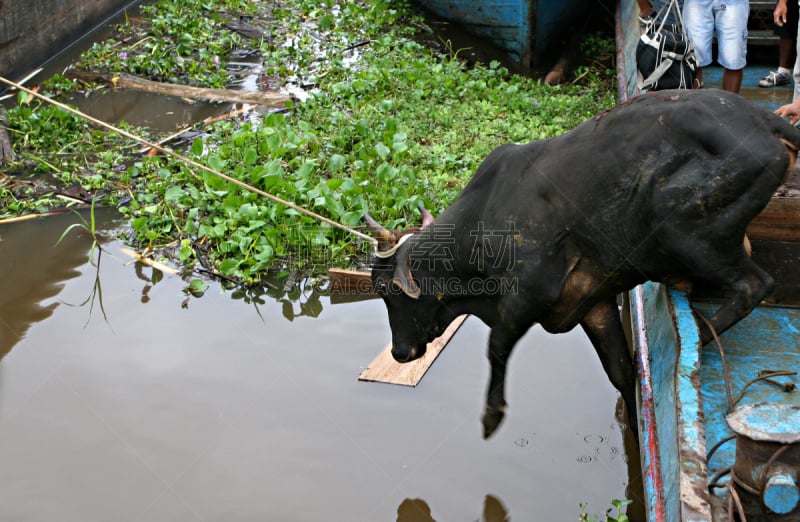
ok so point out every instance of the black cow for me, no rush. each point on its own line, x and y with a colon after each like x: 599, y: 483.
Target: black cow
x: 660, y: 188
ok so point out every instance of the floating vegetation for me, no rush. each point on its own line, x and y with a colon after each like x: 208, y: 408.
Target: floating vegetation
x: 385, y: 124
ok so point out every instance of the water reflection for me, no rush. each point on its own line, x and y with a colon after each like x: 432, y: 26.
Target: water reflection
x: 186, y: 371
x: 299, y: 297
x: 33, y: 270
x: 215, y: 400
x: 417, y: 510
x: 414, y: 510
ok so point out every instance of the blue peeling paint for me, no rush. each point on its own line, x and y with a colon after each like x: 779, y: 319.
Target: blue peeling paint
x: 689, y: 403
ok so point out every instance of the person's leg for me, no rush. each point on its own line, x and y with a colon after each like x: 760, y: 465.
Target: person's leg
x: 783, y: 75
x: 786, y: 52
x: 792, y: 17
x: 699, y: 21
x: 788, y: 36
x: 732, y: 80
x: 731, y: 24
x: 796, y: 71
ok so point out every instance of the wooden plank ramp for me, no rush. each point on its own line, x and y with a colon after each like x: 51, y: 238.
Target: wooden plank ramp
x: 385, y: 369
x: 356, y: 285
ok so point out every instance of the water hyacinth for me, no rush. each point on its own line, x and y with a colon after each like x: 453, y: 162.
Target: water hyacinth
x: 386, y: 124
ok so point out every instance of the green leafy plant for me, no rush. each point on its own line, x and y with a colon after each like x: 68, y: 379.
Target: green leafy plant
x: 182, y: 41
x: 388, y: 124
x: 619, y: 516
x: 89, y: 226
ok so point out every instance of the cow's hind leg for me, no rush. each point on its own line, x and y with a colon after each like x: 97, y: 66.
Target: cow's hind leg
x: 730, y: 271
x: 744, y: 286
x: 603, y: 326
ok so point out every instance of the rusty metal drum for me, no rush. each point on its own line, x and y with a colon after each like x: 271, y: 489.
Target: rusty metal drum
x: 766, y: 473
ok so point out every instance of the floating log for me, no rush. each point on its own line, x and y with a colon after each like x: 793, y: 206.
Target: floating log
x: 128, y: 81
x: 385, y: 369
x: 28, y: 217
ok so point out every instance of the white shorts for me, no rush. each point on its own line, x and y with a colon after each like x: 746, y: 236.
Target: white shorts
x: 725, y: 19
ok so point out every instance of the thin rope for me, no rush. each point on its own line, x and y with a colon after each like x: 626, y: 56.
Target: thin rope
x: 734, y: 498
x: 764, y: 375
x: 192, y: 162
x: 725, y: 374
x: 717, y: 446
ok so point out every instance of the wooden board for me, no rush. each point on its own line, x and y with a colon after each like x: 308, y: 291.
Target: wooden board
x: 344, y: 280
x: 778, y: 222
x: 385, y: 369
x: 350, y: 286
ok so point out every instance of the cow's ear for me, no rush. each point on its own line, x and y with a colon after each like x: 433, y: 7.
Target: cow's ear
x: 427, y: 217
x: 404, y: 279
x: 386, y: 239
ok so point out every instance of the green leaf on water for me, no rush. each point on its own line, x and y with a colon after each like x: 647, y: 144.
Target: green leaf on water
x: 382, y: 150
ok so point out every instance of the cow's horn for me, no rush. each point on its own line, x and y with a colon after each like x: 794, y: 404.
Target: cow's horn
x: 386, y: 239
x: 427, y: 217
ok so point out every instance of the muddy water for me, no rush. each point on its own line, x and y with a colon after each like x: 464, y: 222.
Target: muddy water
x: 120, y: 402
x: 220, y: 411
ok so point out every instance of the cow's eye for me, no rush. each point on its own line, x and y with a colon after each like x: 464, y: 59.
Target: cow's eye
x: 381, y: 288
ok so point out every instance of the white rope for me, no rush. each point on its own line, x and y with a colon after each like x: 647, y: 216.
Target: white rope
x: 193, y: 163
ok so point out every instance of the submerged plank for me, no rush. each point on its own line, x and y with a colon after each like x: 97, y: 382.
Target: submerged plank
x: 385, y: 369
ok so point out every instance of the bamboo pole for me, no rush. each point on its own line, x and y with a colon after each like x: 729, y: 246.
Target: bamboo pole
x: 193, y: 163
x: 28, y: 217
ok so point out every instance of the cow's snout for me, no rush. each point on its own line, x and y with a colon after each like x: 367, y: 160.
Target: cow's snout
x: 407, y: 353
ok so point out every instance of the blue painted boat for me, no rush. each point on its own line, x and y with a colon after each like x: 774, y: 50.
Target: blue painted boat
x: 523, y: 28
x: 683, y: 408
x: 689, y: 434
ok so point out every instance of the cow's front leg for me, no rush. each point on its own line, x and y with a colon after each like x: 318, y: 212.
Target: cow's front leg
x: 501, y: 342
x: 603, y: 326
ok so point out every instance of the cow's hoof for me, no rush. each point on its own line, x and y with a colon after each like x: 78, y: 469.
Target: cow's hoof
x: 491, y: 420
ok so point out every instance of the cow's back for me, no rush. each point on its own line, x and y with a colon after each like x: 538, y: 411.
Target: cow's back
x: 703, y: 156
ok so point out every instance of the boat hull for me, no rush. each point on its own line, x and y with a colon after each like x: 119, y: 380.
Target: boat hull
x: 525, y: 29
x: 682, y: 396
